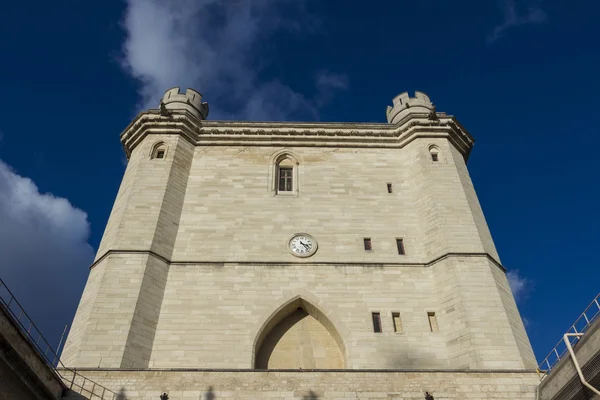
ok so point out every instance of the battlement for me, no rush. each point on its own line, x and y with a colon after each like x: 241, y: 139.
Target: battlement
x: 191, y: 101
x: 404, y: 105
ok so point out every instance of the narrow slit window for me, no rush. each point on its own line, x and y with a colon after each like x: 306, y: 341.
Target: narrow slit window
x: 400, y: 246
x: 285, y: 179
x: 433, y: 325
x: 397, y: 322
x: 376, y: 322
x: 367, y: 243
x: 160, y: 154
x: 389, y: 187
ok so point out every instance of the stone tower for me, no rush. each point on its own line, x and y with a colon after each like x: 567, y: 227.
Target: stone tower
x: 334, y: 249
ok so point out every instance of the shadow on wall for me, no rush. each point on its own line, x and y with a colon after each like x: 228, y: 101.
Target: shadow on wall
x: 210, y: 395
x: 400, y: 358
x: 311, y: 396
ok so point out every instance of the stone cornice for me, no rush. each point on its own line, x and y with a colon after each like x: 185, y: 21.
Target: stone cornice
x: 288, y: 263
x: 298, y: 134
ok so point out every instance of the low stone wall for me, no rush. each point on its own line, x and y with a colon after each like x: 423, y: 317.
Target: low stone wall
x: 316, y: 385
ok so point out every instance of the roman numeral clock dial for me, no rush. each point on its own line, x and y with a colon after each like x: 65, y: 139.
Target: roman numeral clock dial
x: 302, y: 245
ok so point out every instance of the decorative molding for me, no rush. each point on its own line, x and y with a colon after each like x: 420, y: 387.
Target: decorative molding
x: 303, y: 371
x: 289, y: 263
x: 297, y: 134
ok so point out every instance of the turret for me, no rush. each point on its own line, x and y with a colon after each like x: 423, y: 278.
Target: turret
x: 190, y: 101
x: 404, y: 105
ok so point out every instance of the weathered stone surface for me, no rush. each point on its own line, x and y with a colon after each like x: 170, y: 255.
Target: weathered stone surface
x: 322, y: 385
x: 193, y: 270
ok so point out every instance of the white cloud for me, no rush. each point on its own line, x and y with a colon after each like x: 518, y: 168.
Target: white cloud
x: 216, y: 47
x: 45, y: 251
x: 327, y: 80
x: 515, y: 16
x: 519, y: 285
x: 328, y: 83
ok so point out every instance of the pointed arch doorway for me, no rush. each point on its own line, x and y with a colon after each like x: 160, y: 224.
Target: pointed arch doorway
x: 299, y: 336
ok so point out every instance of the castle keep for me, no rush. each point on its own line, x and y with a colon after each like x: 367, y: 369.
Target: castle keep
x: 287, y: 260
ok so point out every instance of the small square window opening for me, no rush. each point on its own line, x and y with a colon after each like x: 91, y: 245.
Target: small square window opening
x: 433, y: 326
x: 400, y: 246
x: 160, y: 154
x: 434, y: 157
x: 389, y: 187
x: 367, y: 243
x: 397, y: 322
x: 376, y: 322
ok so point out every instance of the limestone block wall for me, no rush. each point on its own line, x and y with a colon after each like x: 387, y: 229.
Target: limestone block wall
x: 475, y: 322
x: 122, y: 317
x: 212, y: 314
x: 198, y: 263
x: 445, y: 218
x: 113, y: 224
x: 321, y: 385
x: 230, y: 213
x: 474, y: 207
x: 115, y: 322
x: 514, y: 318
x: 77, y: 332
x: 148, y: 206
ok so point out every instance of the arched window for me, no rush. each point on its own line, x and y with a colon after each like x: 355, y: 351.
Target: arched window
x: 434, y: 153
x: 159, y: 151
x: 284, y: 176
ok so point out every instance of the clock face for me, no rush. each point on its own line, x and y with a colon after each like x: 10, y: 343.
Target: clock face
x: 302, y: 245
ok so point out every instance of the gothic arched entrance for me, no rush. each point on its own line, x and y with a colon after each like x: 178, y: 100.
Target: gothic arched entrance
x: 299, y: 336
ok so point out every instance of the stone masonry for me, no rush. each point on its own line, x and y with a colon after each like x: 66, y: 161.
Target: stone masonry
x: 318, y: 385
x: 194, y: 269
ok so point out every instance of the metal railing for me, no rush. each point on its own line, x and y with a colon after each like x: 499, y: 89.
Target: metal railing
x: 580, y: 326
x: 71, y: 378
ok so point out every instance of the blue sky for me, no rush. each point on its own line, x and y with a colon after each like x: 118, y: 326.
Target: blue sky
x: 522, y: 77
